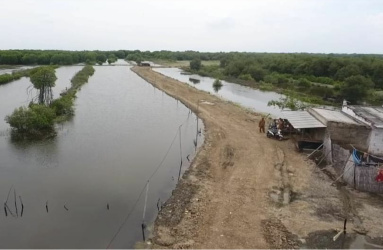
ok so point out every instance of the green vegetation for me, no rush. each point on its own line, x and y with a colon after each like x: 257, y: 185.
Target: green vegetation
x: 38, y: 119
x: 57, y: 57
x: 16, y: 75
x: 101, y: 58
x: 289, y: 102
x: 319, y: 78
x: 6, y: 78
x: 81, y: 77
x: 112, y: 58
x: 35, y: 120
x: 195, y: 64
x: 315, y: 78
x: 43, y: 79
x: 217, y: 85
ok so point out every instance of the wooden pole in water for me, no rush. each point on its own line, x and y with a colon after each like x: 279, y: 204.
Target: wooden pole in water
x: 9, y: 210
x: 5, y: 210
x: 143, y: 231
x: 179, y: 173
x: 22, y: 206
x: 14, y: 192
x: 158, y: 204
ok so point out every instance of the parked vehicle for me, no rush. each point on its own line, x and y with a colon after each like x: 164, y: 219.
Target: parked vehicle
x: 274, y: 132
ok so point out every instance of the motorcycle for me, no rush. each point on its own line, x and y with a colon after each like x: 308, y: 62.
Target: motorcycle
x: 274, y: 132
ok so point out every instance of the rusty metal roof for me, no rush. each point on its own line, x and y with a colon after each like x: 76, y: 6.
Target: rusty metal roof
x: 302, y: 119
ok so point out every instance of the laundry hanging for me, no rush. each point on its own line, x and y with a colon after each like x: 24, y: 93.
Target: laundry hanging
x: 379, y: 177
x: 356, y: 157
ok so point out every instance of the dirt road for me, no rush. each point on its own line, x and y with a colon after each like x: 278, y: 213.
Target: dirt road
x: 242, y: 190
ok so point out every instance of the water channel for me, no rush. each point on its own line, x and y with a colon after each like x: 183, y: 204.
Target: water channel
x: 14, y: 69
x: 245, y: 96
x: 78, y: 188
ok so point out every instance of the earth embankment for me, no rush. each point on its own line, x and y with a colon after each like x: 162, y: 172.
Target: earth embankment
x: 242, y: 190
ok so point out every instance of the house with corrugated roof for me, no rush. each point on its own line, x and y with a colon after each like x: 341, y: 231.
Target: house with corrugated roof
x: 372, y: 117
x: 352, y: 141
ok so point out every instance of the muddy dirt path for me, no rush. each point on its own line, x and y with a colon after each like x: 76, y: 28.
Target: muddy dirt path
x: 236, y: 193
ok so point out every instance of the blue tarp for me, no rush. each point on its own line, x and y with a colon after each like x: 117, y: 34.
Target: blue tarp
x: 356, y: 157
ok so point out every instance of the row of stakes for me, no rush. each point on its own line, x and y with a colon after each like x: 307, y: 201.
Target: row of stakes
x: 7, y: 209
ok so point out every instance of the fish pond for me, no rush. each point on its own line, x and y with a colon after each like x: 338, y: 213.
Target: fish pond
x: 105, y: 173
x: 247, y: 97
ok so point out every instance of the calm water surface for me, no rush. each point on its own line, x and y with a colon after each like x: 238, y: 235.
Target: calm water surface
x: 9, y: 71
x: 247, y: 97
x: 122, y: 130
x: 20, y: 93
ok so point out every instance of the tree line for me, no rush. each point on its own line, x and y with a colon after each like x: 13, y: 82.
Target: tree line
x: 58, y: 57
x: 331, y: 77
x: 62, y: 57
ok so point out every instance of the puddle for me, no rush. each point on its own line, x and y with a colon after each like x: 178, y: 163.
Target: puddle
x: 325, y: 240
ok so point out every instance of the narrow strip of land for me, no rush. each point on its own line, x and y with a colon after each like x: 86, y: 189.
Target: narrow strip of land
x: 236, y: 193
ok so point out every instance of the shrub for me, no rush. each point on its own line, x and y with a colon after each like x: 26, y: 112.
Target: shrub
x: 195, y: 64
x: 63, y: 105
x: 32, y: 119
x: 82, y: 76
x: 5, y: 78
x: 321, y: 91
x: 217, y: 83
x: 265, y: 86
x: 246, y: 77
x: 303, y: 83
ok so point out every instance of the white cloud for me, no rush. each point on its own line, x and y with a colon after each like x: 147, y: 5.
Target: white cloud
x: 206, y: 25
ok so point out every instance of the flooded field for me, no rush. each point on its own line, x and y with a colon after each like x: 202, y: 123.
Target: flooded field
x: 86, y: 188
x: 20, y: 93
x: 247, y: 97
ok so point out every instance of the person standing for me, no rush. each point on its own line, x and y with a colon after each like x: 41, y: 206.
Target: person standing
x: 262, y: 125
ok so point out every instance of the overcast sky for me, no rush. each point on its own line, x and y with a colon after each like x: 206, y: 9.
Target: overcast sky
x: 324, y: 26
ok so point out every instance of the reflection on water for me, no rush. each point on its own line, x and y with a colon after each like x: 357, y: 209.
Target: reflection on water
x: 20, y: 93
x: 247, y: 97
x: 217, y: 88
x: 78, y: 187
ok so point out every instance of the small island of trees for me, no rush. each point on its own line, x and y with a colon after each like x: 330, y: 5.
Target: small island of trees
x: 37, y: 120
